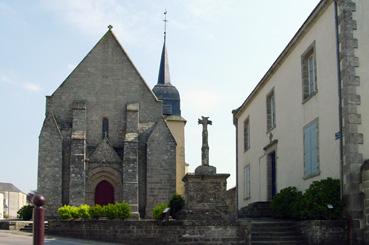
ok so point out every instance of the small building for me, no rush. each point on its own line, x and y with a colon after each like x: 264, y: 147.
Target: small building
x: 307, y: 118
x: 11, y: 200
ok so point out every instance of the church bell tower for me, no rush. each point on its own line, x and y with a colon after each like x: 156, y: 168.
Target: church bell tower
x: 169, y: 95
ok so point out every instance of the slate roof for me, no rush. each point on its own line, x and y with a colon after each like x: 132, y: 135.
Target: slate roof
x: 164, y: 90
x: 9, y: 187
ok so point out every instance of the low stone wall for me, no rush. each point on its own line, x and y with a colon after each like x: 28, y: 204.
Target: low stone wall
x: 13, y: 224
x: 324, y: 232
x: 150, y: 232
x: 230, y: 198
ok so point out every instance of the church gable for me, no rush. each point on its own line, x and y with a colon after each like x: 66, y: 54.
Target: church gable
x: 104, y: 153
x: 106, y: 76
x: 107, y: 52
x: 106, y: 80
x: 161, y: 132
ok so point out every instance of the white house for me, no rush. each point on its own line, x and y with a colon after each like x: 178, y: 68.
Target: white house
x: 13, y: 200
x: 307, y: 119
x: 1, y: 206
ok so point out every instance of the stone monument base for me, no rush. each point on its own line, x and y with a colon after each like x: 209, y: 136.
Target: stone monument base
x: 205, y: 170
x: 205, y: 197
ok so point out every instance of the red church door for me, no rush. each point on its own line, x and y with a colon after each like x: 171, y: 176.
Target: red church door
x: 104, y: 193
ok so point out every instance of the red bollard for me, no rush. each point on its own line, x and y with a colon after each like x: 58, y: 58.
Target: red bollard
x: 38, y: 220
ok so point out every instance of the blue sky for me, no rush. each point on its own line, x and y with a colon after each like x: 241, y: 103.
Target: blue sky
x: 218, y: 51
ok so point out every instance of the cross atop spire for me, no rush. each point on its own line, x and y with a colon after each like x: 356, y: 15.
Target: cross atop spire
x: 164, y: 77
x: 165, y: 24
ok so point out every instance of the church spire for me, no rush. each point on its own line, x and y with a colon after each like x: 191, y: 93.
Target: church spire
x: 164, y: 77
x: 164, y: 90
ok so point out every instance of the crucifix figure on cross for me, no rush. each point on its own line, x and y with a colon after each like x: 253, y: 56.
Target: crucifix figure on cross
x: 205, y: 146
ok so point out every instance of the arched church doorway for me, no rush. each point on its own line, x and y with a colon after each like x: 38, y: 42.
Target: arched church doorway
x: 104, y: 193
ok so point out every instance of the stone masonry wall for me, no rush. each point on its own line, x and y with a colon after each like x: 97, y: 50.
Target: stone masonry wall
x: 352, y: 137
x: 328, y: 232
x: 365, y: 191
x: 161, y: 166
x: 77, y: 181
x: 107, y: 80
x: 50, y: 164
x: 149, y: 232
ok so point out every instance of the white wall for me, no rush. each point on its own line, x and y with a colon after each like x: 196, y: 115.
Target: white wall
x: 14, y: 201
x: 292, y: 115
x: 1, y: 206
x: 362, y: 34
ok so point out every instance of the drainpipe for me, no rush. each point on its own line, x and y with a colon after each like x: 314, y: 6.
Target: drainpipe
x: 340, y: 119
x: 235, y: 122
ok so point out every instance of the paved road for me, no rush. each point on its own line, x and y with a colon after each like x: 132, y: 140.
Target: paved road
x: 21, y: 238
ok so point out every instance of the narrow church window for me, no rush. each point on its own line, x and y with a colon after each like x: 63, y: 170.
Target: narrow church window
x: 105, y: 127
x: 311, y: 149
x: 246, y: 135
x: 270, y: 103
x: 247, y: 193
x: 309, y: 73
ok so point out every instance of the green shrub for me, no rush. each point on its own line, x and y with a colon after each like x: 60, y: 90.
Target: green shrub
x: 176, y: 203
x: 286, y: 204
x: 158, y: 210
x: 84, y: 211
x: 96, y: 211
x: 322, y: 200
x: 110, y: 211
x: 74, y: 211
x: 65, y: 212
x: 25, y: 213
x: 123, y: 211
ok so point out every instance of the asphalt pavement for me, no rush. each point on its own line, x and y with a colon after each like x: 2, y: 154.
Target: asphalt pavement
x: 22, y: 238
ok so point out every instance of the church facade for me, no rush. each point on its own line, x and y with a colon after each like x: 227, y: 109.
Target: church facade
x: 107, y: 137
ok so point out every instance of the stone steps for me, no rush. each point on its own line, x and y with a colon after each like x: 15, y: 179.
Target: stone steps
x: 275, y: 232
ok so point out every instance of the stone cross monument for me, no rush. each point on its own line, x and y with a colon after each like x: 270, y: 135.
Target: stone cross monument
x: 205, y: 146
x: 205, y: 168
x: 205, y: 189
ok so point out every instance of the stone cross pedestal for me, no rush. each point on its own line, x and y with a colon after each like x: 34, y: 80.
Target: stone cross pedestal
x: 205, y: 168
x: 205, y: 189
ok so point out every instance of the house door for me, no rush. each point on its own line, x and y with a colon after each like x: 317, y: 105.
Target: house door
x: 104, y: 193
x: 272, y: 175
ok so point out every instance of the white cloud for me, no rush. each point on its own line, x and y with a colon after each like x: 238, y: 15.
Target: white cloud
x: 93, y: 16
x: 31, y: 87
x: 28, y: 86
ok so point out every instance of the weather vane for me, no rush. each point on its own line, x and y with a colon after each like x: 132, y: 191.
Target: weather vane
x: 165, y: 24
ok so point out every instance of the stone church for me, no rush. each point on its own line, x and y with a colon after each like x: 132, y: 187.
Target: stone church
x: 107, y: 137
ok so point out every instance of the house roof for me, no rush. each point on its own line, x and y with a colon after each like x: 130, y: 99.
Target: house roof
x: 9, y: 187
x: 314, y: 15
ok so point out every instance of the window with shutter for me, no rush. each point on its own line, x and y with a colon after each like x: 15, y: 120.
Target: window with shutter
x: 270, y: 104
x: 247, y: 182
x: 309, y: 77
x: 246, y: 135
x: 311, y: 149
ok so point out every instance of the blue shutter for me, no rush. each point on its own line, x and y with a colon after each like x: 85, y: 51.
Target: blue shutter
x: 307, y: 155
x: 311, y: 149
x: 314, y: 148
